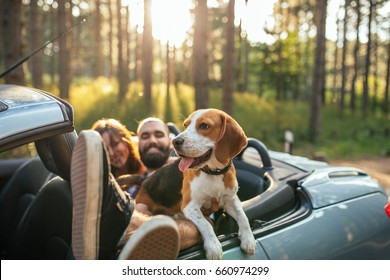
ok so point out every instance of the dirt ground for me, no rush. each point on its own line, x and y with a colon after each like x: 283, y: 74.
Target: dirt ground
x: 378, y: 168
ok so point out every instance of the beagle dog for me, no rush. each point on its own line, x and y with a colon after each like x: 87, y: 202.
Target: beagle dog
x: 206, y: 147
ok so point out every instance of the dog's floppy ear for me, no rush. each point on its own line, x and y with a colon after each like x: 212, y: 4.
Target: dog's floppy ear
x: 231, y: 141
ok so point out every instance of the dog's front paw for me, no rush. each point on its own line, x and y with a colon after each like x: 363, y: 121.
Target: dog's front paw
x: 213, y: 249
x: 248, y: 244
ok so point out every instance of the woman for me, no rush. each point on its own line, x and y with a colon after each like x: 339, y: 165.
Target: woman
x: 122, y: 150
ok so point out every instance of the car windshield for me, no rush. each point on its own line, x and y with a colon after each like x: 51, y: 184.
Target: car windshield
x: 14, y: 96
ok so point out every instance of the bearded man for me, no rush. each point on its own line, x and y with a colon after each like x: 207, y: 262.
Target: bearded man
x: 154, y: 144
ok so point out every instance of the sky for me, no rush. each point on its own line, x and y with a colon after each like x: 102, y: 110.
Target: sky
x: 334, y: 12
x: 256, y: 16
x: 172, y: 19
x: 173, y: 23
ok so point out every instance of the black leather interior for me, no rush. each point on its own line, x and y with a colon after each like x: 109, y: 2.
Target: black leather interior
x: 45, y: 230
x: 56, y: 153
x: 249, y: 184
x: 17, y: 195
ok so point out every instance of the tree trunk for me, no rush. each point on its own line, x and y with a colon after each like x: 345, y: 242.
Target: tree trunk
x: 147, y: 54
x: 200, y: 55
x: 308, y: 68
x: 119, y: 49
x: 246, y: 58
x: 127, y: 32
x: 246, y: 64
x: 336, y: 60
x: 11, y: 24
x: 335, y: 72
x: 184, y: 73
x: 279, y: 51
x: 35, y: 39
x: 387, y: 87
x: 344, y: 58
x: 111, y: 71
x: 168, y: 61
x: 174, y: 68
x: 228, y: 83
x: 64, y: 53
x: 53, y: 57
x: 137, y: 56
x: 98, y: 41
x: 121, y: 55
x: 367, y: 62
x: 238, y: 75
x: 319, y: 72
x: 375, y: 73
x: 352, y: 103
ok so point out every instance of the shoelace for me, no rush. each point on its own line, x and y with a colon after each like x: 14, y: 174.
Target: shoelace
x: 127, y: 205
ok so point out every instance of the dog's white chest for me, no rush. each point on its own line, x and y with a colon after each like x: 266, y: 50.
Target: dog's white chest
x: 206, y: 187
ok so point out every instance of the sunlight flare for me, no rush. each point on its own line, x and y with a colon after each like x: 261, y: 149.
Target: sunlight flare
x: 171, y: 20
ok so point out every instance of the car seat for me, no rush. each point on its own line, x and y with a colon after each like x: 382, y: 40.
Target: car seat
x: 250, y: 181
x: 16, y: 196
x: 46, y: 228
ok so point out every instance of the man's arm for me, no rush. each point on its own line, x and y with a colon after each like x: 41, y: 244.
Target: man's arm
x: 188, y: 232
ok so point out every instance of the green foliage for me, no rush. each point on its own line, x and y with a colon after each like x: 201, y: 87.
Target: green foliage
x: 99, y: 99
x: 27, y: 151
x: 281, y: 70
x: 262, y: 118
x: 353, y: 136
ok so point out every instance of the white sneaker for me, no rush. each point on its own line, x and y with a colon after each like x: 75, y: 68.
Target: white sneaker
x: 156, y: 239
x: 101, y: 210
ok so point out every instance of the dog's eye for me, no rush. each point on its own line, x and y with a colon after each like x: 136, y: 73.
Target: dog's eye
x: 204, y: 126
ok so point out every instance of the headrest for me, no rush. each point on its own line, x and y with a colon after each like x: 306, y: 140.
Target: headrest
x: 56, y: 153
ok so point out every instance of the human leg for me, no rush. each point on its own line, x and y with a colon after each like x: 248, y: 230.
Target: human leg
x: 101, y: 211
x: 156, y: 239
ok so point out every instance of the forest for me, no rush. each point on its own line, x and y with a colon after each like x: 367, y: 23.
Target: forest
x: 319, y: 68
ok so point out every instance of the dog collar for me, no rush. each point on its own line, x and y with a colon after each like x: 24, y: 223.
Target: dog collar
x: 217, y: 171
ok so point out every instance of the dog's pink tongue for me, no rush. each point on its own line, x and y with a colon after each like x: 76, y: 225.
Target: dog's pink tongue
x: 184, y: 163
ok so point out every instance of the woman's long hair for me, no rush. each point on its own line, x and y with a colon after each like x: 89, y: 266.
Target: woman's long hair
x: 117, y: 130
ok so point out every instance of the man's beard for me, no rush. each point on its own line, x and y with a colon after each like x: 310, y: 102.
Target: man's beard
x: 155, y: 160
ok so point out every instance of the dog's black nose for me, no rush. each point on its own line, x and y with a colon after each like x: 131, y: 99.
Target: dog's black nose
x: 178, y: 141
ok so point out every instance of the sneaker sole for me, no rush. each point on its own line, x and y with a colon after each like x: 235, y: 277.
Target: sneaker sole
x: 156, y: 239
x: 87, y: 193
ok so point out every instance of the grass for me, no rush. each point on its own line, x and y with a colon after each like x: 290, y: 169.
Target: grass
x: 350, y: 137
